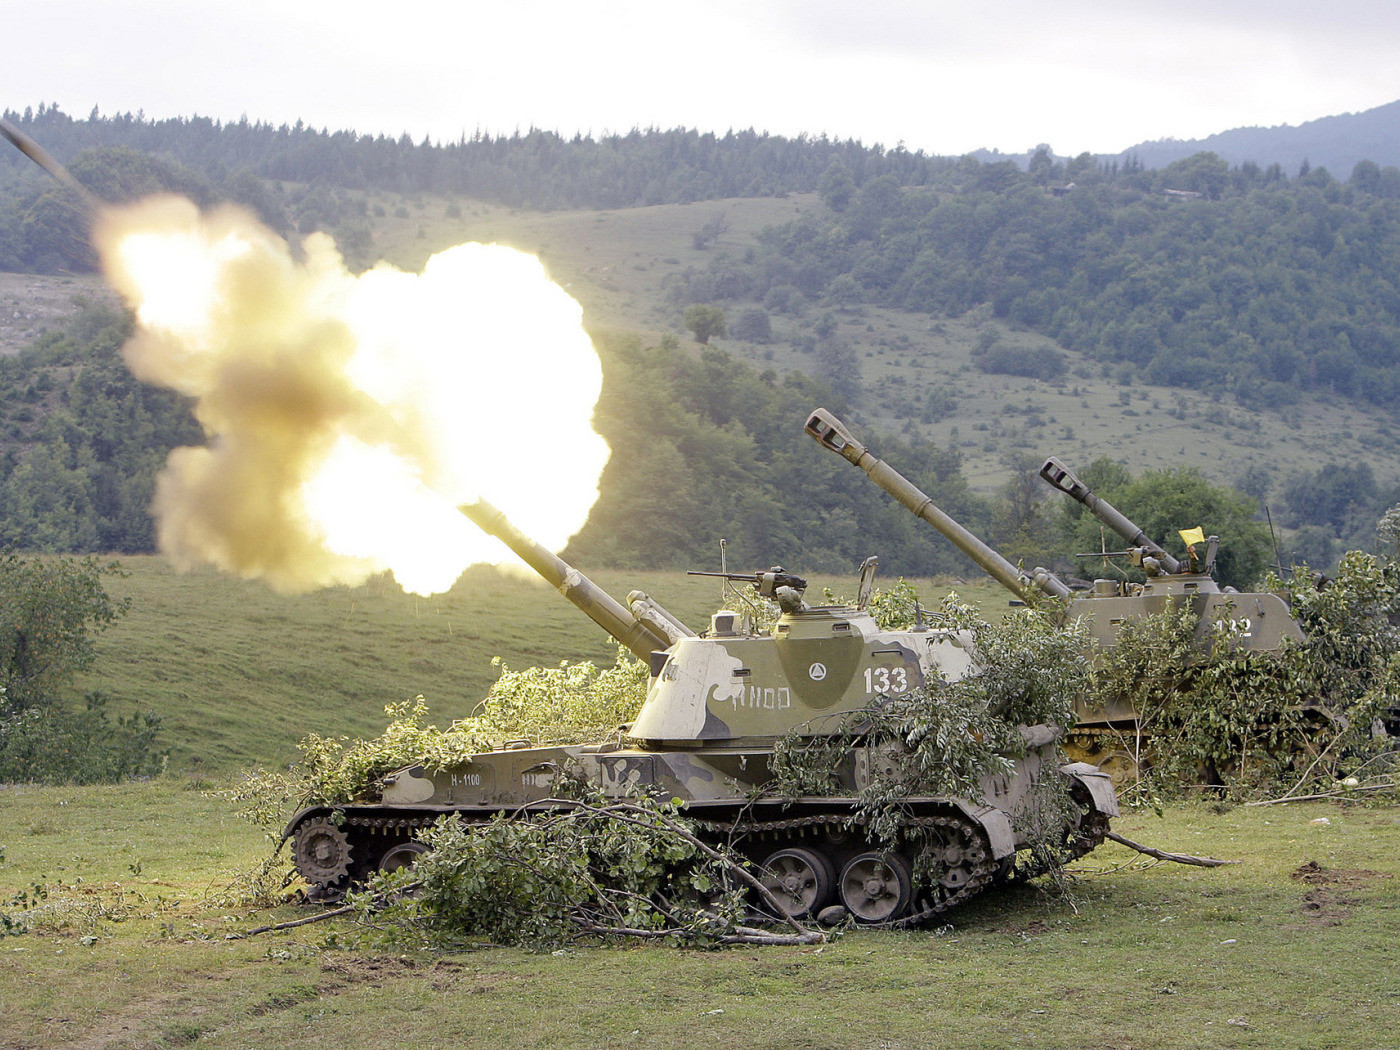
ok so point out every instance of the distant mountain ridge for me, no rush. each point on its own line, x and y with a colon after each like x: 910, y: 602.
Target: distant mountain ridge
x: 1336, y: 143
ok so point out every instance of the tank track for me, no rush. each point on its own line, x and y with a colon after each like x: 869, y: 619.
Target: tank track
x: 980, y: 874
x: 1090, y: 835
x: 1111, y: 750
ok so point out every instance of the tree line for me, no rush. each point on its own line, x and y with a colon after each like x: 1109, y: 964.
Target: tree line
x: 535, y: 169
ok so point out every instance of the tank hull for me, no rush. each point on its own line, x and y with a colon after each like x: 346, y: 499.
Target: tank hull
x: 716, y: 707
x: 720, y: 787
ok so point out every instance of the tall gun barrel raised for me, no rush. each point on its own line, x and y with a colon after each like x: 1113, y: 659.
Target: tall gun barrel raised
x: 1064, y: 479
x: 832, y: 434
x: 46, y: 160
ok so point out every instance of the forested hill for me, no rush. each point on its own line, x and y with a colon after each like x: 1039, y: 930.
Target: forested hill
x: 1196, y: 277
x: 703, y: 447
x: 539, y: 170
x: 1338, y: 143
x: 1136, y: 309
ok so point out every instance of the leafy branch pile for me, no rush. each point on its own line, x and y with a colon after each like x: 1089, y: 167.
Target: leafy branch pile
x: 1320, y: 710
x: 596, y: 868
x: 545, y: 705
x: 950, y: 738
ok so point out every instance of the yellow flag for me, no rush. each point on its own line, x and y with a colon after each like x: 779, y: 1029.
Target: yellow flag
x: 1190, y: 536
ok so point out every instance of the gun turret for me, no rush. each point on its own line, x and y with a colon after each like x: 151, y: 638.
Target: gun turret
x: 1062, y: 478
x: 831, y: 433
x: 644, y: 633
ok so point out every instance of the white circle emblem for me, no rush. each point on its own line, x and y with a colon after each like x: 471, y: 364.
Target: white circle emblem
x: 817, y: 672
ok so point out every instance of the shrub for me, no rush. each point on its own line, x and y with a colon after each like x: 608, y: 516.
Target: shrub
x: 753, y: 325
x: 51, y: 744
x: 1035, y: 362
x: 571, y: 703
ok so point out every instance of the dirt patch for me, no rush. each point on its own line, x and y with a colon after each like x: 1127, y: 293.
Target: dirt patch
x: 441, y: 975
x: 31, y: 304
x: 375, y: 970
x: 348, y: 973
x: 1324, y: 908
x: 1314, y: 874
x: 1332, y: 895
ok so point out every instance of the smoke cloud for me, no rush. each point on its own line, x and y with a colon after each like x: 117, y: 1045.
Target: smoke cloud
x: 349, y: 416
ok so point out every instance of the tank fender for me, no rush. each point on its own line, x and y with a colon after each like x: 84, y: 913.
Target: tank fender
x: 1097, y: 783
x: 995, y: 822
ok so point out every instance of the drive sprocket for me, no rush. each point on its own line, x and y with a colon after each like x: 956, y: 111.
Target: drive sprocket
x: 322, y: 852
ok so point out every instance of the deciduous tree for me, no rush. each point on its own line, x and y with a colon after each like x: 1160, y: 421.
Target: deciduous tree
x: 705, y: 321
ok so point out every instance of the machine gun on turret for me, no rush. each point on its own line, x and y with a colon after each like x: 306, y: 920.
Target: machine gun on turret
x: 777, y: 585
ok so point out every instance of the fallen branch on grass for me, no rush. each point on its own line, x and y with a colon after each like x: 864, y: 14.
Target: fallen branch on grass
x: 318, y: 917
x: 1175, y: 858
x: 1343, y: 793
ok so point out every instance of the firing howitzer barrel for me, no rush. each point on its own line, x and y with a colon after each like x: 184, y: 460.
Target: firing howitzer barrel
x: 595, y: 603
x: 831, y: 433
x: 1062, y: 478
x: 45, y: 160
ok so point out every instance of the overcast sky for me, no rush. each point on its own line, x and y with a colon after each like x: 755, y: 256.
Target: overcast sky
x: 945, y: 76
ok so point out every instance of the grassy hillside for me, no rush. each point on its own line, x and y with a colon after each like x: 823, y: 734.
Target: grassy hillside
x: 240, y: 673
x: 616, y: 264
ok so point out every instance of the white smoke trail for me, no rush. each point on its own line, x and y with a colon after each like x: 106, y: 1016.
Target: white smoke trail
x: 349, y: 416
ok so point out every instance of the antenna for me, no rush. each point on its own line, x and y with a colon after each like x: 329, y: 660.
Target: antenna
x: 1278, y: 559
x: 724, y: 568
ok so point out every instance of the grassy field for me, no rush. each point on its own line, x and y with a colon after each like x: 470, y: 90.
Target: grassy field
x: 141, y: 883
x: 1293, y: 947
x: 131, y: 892
x: 240, y: 673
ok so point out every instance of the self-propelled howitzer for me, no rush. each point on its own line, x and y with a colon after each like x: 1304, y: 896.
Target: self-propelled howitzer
x: 1109, y: 736
x: 1251, y: 620
x: 716, y: 705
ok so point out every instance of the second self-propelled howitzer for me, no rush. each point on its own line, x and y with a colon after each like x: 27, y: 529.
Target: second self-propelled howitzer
x: 1251, y: 620
x: 716, y: 706
x: 1110, y: 736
